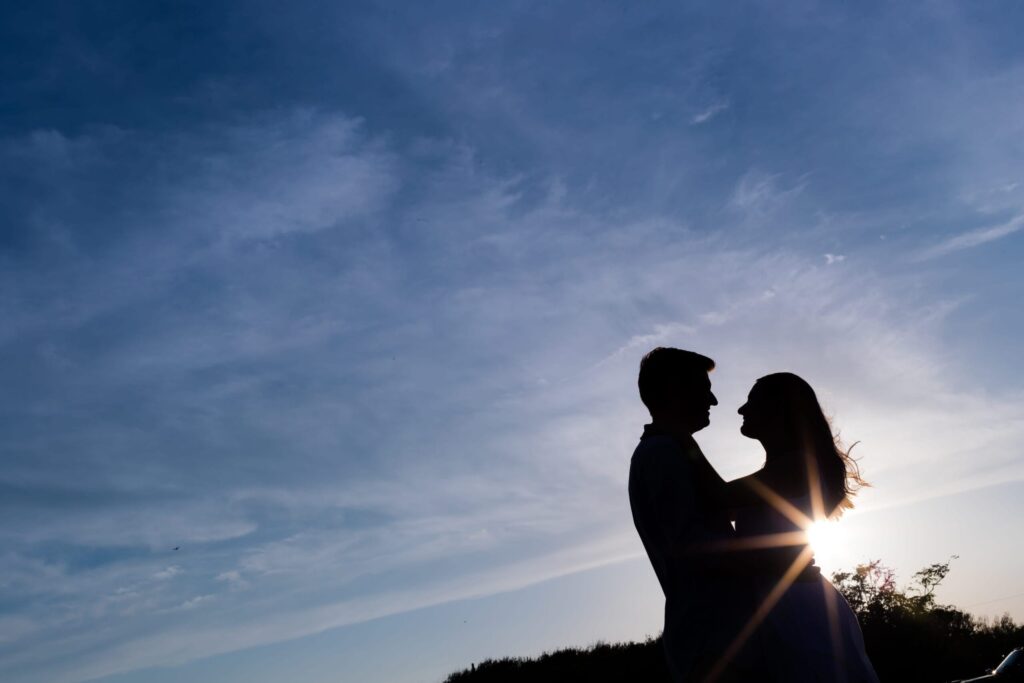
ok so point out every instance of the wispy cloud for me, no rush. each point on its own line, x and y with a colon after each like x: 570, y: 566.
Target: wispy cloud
x: 758, y: 194
x: 168, y: 573
x: 709, y: 113
x: 973, y: 238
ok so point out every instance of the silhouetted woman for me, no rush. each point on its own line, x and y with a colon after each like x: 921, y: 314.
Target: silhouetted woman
x: 805, y: 628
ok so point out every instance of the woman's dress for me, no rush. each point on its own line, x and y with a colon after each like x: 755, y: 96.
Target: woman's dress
x: 811, y: 634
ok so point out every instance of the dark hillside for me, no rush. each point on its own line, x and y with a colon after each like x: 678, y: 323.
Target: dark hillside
x: 909, y: 637
x: 598, y: 664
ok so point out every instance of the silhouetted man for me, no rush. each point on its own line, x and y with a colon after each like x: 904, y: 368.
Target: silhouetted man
x: 671, y: 491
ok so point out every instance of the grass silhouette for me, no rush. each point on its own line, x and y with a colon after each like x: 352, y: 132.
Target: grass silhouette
x: 643, y: 661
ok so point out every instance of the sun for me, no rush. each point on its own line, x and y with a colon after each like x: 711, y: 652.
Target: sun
x: 828, y: 543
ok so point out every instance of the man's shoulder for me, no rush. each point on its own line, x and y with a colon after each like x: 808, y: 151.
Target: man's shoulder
x: 657, y: 453
x: 655, y: 444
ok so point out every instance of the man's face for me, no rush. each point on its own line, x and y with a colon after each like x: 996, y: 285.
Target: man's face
x: 693, y: 407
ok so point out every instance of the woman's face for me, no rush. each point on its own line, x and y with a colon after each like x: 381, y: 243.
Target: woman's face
x: 760, y: 413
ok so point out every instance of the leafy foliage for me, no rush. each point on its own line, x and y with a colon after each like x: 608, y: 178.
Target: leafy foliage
x: 909, y: 636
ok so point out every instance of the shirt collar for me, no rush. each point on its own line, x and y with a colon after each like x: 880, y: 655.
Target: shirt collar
x: 651, y: 431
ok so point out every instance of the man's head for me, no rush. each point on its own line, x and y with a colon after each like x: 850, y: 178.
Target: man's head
x: 675, y: 387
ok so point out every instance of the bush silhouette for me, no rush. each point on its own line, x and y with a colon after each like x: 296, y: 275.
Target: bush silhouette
x: 908, y: 634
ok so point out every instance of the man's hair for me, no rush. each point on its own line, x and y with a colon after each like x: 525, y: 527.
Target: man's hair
x: 665, y: 371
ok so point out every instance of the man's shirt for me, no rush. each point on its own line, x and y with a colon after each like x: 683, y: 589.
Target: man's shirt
x: 675, y: 496
x: 673, y: 493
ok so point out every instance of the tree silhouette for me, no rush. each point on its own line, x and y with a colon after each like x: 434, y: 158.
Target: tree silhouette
x: 910, y: 636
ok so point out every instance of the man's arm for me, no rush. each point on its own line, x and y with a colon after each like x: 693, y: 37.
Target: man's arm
x: 672, y: 502
x: 664, y: 477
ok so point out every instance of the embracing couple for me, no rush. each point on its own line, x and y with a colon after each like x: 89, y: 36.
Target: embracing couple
x: 743, y: 602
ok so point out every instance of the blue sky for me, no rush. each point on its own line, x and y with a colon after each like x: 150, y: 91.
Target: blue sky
x: 345, y: 302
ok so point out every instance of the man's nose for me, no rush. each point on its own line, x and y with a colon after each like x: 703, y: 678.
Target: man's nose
x: 714, y: 401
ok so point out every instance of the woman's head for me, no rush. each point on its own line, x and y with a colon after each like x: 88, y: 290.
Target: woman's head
x: 783, y: 413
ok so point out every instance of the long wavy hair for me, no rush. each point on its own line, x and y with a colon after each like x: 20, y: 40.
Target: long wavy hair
x: 824, y: 456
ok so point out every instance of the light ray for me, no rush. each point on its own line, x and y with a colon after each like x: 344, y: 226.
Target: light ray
x: 783, y: 539
x: 832, y: 611
x: 773, y: 597
x: 783, y: 506
x: 814, y: 484
x: 803, y: 522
